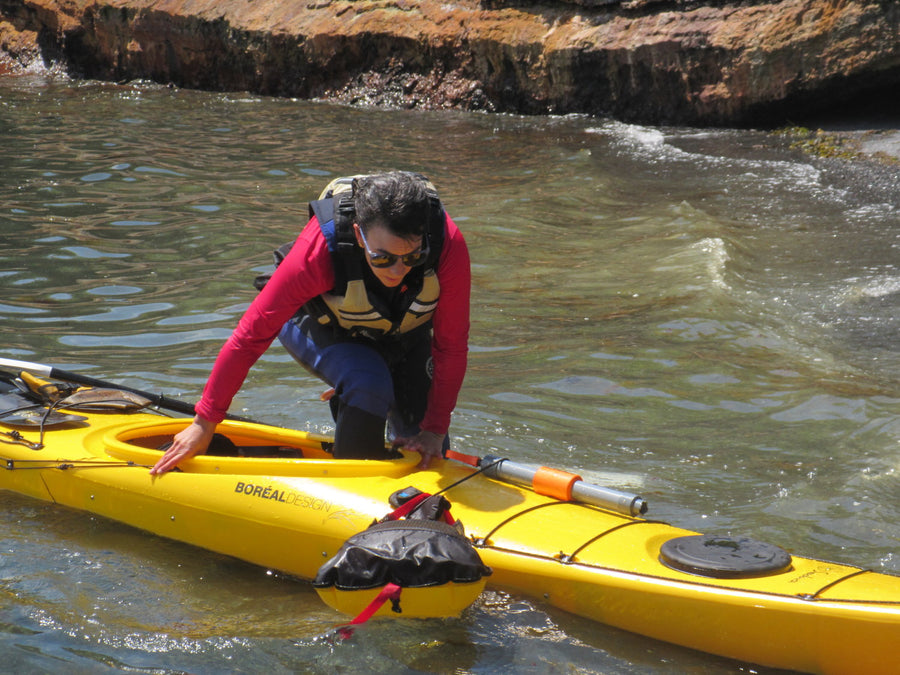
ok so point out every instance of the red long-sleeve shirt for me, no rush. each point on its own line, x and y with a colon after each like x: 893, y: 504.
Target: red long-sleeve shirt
x: 307, y: 272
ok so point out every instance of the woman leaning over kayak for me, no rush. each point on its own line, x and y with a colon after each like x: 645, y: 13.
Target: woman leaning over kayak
x: 373, y: 298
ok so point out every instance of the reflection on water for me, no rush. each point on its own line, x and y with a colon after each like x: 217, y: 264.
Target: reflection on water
x: 705, y: 315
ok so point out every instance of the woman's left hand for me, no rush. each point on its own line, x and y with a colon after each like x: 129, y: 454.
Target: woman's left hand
x: 427, y: 444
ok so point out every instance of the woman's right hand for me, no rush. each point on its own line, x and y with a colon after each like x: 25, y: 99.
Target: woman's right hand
x: 191, y: 441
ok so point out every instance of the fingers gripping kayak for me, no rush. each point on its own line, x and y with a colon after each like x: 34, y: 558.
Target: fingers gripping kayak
x: 193, y: 440
x: 426, y: 443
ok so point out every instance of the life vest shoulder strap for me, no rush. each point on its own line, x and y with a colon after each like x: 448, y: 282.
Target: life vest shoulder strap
x: 335, y: 215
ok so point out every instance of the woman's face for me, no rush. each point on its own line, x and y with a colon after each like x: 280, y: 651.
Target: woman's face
x: 378, y: 240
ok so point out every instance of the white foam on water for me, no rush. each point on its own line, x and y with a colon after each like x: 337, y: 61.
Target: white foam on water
x: 856, y: 288
x: 880, y: 288
x: 746, y: 173
x: 716, y: 256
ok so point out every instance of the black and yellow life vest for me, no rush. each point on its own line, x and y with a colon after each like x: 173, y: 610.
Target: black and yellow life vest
x: 363, y: 309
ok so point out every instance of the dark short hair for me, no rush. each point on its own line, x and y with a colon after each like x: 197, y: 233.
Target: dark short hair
x: 396, y: 200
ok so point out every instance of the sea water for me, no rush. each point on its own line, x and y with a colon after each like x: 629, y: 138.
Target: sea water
x: 705, y: 316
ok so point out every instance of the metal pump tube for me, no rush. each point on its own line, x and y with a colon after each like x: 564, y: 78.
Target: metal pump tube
x: 586, y: 493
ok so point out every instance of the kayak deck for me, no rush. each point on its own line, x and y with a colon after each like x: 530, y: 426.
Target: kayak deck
x: 293, y: 513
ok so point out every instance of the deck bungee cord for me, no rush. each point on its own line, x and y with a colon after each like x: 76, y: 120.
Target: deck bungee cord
x: 64, y: 464
x: 15, y: 437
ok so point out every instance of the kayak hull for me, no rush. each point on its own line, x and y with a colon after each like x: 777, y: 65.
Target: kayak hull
x: 293, y: 514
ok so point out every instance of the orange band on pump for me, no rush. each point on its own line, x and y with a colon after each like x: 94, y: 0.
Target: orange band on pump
x: 554, y: 483
x: 461, y: 457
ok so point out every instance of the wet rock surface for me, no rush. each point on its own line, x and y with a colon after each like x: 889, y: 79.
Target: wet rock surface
x: 748, y: 62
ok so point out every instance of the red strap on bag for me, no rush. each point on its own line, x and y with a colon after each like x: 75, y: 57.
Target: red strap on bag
x: 408, y: 507
x: 391, y: 591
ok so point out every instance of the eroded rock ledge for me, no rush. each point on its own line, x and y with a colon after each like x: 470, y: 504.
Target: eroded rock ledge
x: 654, y: 61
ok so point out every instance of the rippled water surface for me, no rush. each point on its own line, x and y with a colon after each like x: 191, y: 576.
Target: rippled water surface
x: 706, y: 317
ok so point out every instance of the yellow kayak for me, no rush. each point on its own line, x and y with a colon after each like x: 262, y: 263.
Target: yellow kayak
x: 293, y: 507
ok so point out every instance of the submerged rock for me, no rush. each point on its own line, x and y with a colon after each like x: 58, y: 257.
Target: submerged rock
x: 657, y: 61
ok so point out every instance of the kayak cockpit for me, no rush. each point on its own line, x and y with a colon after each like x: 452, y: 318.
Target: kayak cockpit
x: 249, y: 449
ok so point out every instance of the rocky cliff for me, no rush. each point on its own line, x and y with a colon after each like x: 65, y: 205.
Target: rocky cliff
x: 733, y: 62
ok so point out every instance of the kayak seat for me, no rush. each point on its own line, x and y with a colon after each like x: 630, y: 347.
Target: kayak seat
x: 222, y: 446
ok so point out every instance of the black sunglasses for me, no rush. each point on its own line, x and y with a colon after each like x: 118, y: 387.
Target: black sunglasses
x: 413, y: 259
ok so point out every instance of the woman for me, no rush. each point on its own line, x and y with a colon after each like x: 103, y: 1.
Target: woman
x: 373, y: 297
